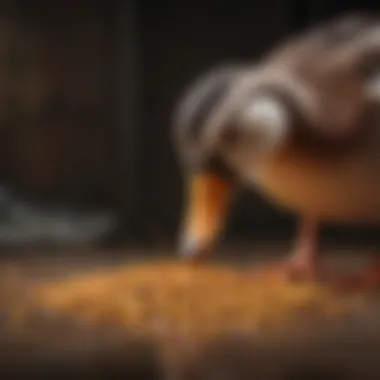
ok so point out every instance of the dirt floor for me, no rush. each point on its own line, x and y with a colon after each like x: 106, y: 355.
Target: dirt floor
x: 121, y: 315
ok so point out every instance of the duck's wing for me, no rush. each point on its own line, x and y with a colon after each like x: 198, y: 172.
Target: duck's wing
x: 339, y: 63
x: 318, y: 40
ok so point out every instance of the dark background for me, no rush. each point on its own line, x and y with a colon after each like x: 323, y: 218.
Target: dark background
x: 87, y: 89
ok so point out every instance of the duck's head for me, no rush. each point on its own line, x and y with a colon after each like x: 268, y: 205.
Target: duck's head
x: 220, y: 129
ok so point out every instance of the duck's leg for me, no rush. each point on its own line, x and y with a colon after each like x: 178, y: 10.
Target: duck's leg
x: 303, y: 263
x: 365, y: 280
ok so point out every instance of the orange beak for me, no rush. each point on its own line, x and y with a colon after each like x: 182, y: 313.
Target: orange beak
x: 207, y: 206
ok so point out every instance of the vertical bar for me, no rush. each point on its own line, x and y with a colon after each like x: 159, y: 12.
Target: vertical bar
x: 125, y: 105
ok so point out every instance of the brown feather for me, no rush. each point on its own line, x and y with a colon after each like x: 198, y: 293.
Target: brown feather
x: 334, y: 61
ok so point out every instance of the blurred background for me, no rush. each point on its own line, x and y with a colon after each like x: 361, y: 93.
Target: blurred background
x: 87, y: 89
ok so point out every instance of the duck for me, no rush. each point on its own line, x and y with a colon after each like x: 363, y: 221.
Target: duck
x: 300, y: 126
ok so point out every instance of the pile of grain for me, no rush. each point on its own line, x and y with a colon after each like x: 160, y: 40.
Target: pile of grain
x: 165, y: 297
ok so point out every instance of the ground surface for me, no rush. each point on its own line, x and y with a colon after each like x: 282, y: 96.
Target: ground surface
x: 98, y: 312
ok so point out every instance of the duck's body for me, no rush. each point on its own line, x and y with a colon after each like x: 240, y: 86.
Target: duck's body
x: 343, y: 188
x: 302, y: 127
